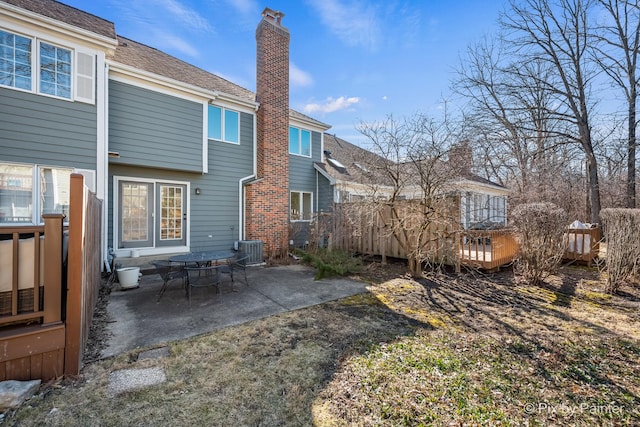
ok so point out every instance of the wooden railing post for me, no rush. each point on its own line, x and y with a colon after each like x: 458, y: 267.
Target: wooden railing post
x: 52, y: 268
x: 73, y: 319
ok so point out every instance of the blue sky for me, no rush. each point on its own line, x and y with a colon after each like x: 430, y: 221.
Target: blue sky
x: 352, y: 61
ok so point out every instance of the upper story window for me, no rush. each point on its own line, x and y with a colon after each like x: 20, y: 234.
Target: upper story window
x: 15, y: 61
x: 224, y: 125
x: 34, y: 65
x: 299, y: 141
x: 55, y: 71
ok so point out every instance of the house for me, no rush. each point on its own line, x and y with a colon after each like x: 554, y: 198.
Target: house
x: 182, y: 158
x: 354, y: 175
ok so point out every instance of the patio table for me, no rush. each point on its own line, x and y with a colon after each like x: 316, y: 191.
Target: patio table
x: 206, y: 273
x: 202, y: 257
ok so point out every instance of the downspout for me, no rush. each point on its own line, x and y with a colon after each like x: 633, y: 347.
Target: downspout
x: 242, y: 181
x: 102, y: 172
x: 241, y: 205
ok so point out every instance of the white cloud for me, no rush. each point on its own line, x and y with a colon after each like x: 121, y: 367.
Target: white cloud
x: 331, y: 105
x: 163, y: 24
x: 354, y: 22
x: 188, y: 17
x: 298, y: 77
x: 245, y: 7
x: 172, y: 42
x: 384, y: 98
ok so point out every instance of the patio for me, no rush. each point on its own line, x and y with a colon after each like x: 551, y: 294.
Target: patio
x: 139, y: 321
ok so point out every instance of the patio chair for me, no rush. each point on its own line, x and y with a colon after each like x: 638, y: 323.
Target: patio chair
x: 169, y: 271
x: 201, y: 277
x: 238, y: 262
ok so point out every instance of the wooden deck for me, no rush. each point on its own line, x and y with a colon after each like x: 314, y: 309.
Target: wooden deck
x: 487, y: 249
x: 45, y: 319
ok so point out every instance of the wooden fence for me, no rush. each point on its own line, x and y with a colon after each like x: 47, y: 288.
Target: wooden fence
x: 368, y: 232
x: 44, y: 320
x: 83, y: 282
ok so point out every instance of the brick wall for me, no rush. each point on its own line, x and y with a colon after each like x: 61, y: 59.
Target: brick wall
x: 267, y: 200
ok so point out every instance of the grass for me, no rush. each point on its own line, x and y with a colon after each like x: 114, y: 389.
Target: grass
x: 445, y: 350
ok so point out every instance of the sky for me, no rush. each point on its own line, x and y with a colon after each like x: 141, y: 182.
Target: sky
x: 351, y: 61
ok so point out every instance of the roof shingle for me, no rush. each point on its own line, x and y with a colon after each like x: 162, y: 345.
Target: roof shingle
x: 67, y: 14
x: 154, y: 61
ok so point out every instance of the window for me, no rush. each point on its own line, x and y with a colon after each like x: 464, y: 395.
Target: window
x: 299, y: 141
x: 301, y: 207
x: 23, y: 187
x: 55, y: 71
x: 34, y: 65
x: 15, y: 61
x: 223, y: 124
x: 481, y: 210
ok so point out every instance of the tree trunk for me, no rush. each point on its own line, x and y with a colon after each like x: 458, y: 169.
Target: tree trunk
x: 594, y: 189
x: 631, y: 150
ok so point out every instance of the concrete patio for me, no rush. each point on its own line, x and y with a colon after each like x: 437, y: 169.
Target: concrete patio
x: 139, y: 321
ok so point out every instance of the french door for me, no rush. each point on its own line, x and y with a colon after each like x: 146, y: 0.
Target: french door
x: 151, y: 214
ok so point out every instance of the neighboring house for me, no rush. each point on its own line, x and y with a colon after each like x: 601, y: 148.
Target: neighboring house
x: 352, y: 173
x: 182, y: 158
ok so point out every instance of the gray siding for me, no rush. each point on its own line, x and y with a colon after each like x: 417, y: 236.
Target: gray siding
x: 154, y: 130
x: 44, y: 130
x: 215, y: 211
x: 302, y: 175
x: 325, y: 194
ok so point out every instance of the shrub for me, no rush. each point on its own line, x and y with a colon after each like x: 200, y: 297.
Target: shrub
x: 541, y: 228
x: 334, y: 262
x: 621, y: 232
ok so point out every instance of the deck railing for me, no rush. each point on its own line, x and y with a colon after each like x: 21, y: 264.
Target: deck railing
x: 31, y: 272
x: 45, y: 319
x: 487, y: 249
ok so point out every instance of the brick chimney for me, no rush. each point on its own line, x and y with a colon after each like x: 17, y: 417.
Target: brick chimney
x: 267, y: 199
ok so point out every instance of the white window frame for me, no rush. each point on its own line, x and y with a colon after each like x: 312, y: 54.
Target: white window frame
x: 82, y: 84
x: 38, y: 60
x: 300, y: 131
x: 301, y: 206
x: 36, y: 188
x: 223, y: 124
x: 155, y: 249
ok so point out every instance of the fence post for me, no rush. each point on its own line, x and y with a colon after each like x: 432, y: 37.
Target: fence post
x: 53, y: 268
x: 74, y: 276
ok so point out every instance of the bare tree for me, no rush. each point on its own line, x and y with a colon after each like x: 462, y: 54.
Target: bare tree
x: 415, y: 206
x: 617, y: 54
x: 511, y: 123
x: 557, y: 33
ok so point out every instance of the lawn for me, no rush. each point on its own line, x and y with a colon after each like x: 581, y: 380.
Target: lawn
x: 449, y: 349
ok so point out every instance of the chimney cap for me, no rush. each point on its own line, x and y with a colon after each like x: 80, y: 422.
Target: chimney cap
x: 273, y: 15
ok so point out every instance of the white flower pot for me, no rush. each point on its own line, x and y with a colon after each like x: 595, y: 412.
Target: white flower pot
x: 128, y: 277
